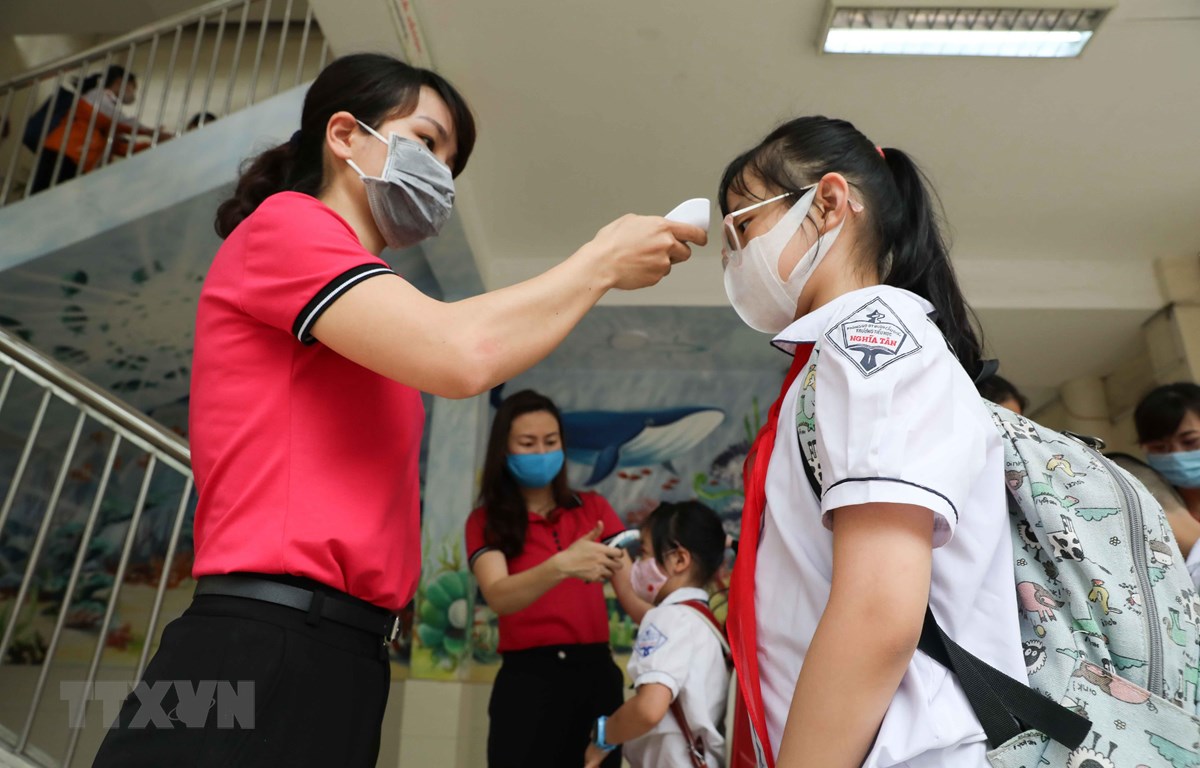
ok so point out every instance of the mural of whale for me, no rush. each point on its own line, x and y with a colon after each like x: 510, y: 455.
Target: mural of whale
x: 610, y: 439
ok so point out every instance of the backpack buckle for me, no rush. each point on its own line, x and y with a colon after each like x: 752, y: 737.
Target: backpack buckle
x: 1095, y: 443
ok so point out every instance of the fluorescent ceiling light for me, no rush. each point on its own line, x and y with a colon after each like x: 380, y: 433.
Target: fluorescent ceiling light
x: 1013, y: 32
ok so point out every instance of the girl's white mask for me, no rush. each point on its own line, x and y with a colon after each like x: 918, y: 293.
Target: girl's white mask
x: 764, y: 301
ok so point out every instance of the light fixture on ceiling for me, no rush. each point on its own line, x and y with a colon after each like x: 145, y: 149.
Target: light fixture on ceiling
x: 986, y: 28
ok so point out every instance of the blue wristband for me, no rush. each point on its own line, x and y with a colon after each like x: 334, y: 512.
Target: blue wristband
x: 600, y: 742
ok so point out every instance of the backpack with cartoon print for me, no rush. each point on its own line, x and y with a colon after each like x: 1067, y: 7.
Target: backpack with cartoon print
x: 1110, y: 619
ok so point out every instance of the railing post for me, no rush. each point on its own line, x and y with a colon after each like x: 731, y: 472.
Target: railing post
x: 39, y: 541
x: 116, y: 123
x: 145, y: 89
x: 212, y: 68
x: 308, y: 17
x: 41, y: 145
x: 191, y: 76
x: 8, y: 100
x: 12, y: 163
x: 91, y: 126
x: 8, y: 380
x: 69, y: 120
x: 283, y: 32
x: 85, y: 541
x: 23, y: 462
x: 258, y: 52
x: 162, y: 105
x: 237, y: 57
x: 114, y: 595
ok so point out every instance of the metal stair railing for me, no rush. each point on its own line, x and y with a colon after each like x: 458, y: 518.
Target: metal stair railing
x: 53, y: 392
x: 49, y: 146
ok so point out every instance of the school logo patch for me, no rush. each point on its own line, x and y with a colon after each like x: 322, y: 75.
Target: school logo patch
x: 873, y: 337
x: 649, y: 639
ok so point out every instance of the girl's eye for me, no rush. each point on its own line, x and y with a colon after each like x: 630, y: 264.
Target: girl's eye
x: 428, y: 142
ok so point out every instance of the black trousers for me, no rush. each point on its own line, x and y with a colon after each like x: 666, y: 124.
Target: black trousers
x: 545, y: 702
x: 318, y: 692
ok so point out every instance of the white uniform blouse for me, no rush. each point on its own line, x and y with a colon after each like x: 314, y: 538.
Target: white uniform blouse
x: 678, y: 648
x: 892, y: 417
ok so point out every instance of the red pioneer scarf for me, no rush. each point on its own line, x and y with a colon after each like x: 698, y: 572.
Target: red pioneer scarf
x: 740, y: 621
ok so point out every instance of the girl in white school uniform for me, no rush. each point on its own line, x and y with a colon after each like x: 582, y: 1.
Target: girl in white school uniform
x: 876, y: 487
x: 679, y: 664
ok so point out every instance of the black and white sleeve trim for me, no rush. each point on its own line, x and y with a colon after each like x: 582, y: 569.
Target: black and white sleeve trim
x: 475, y: 555
x: 941, y: 496
x: 302, y: 328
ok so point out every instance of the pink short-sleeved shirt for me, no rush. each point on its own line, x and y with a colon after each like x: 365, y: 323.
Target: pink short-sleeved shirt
x: 306, y: 463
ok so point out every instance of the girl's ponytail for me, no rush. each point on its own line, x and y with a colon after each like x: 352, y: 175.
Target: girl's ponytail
x: 920, y: 259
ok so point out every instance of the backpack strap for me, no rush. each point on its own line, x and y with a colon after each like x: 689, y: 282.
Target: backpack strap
x: 695, y: 745
x: 701, y: 607
x: 1005, y: 707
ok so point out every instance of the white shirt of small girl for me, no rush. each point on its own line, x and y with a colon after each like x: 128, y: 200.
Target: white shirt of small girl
x: 678, y: 647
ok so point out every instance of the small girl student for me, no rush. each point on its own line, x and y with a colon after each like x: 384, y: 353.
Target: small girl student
x: 679, y: 663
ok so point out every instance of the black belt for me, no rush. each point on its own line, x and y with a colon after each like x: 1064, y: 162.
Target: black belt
x: 368, y: 618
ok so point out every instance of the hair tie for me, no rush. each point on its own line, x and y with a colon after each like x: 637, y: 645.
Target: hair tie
x: 877, y: 149
x: 295, y: 140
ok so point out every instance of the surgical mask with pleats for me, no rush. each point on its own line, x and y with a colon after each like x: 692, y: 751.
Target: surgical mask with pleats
x: 412, y: 197
x: 535, y: 470
x: 764, y: 301
x: 1181, y: 469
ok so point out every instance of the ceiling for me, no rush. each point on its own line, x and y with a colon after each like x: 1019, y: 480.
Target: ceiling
x: 1062, y: 180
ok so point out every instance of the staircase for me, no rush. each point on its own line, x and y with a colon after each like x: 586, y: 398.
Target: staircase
x: 100, y: 272
x: 179, y: 75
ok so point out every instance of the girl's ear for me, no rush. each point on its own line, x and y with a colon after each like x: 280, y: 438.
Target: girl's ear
x: 833, y: 200
x: 681, y: 561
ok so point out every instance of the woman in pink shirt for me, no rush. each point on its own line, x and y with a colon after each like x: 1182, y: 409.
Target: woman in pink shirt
x: 306, y: 419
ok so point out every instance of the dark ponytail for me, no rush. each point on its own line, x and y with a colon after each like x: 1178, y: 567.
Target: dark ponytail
x: 903, y: 224
x: 372, y: 87
x: 920, y: 259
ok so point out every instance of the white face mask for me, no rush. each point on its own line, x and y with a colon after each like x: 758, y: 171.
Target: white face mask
x: 764, y: 301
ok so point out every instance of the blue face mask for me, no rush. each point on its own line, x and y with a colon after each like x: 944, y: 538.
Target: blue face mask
x: 1181, y: 469
x: 535, y: 470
